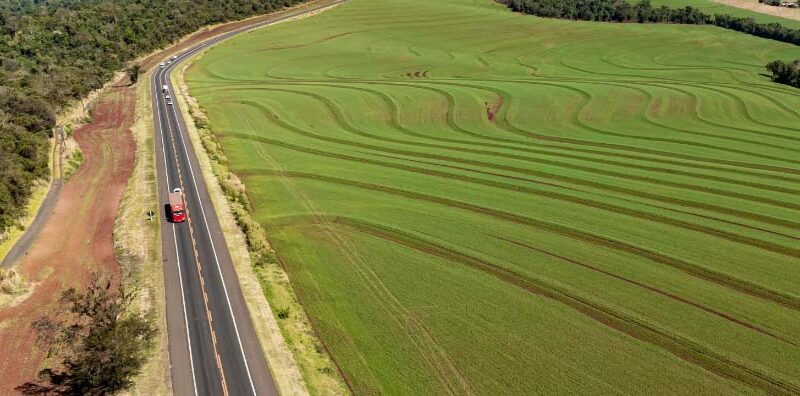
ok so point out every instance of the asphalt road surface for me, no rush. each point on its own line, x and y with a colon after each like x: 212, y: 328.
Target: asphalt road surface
x: 212, y: 343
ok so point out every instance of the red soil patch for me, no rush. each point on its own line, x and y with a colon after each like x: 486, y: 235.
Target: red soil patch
x: 77, y: 237
x: 77, y: 240
x: 492, y: 108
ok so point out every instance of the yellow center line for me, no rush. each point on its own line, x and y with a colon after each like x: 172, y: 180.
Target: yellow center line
x: 197, y: 263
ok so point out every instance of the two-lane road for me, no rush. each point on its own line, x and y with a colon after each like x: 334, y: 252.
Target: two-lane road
x: 217, y: 350
x: 212, y: 343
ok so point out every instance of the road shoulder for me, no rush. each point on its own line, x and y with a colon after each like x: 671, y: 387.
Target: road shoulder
x: 281, y: 362
x: 291, y: 347
x: 137, y: 243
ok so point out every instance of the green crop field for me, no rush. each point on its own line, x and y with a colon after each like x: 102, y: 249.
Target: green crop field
x: 472, y: 201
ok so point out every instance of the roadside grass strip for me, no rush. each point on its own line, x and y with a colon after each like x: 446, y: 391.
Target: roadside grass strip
x: 472, y: 201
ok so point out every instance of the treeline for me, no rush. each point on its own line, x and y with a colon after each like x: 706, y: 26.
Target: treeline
x: 644, y: 12
x: 55, y: 51
x: 785, y: 73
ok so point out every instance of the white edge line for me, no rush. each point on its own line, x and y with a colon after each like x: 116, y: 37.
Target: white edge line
x: 214, y: 250
x: 174, y: 236
x: 185, y: 318
x: 168, y: 71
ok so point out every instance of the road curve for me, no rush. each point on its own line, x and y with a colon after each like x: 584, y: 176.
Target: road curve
x: 212, y: 343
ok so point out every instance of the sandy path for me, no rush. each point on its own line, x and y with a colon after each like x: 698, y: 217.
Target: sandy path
x: 77, y: 237
x: 754, y: 5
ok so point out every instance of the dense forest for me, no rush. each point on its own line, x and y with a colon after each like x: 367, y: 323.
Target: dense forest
x: 55, y: 51
x: 644, y: 12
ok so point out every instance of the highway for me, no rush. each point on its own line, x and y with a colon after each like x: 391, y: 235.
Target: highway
x: 212, y: 343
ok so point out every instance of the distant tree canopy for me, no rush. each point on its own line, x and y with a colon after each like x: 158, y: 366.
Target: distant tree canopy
x: 644, y: 12
x: 55, y: 51
x: 785, y: 73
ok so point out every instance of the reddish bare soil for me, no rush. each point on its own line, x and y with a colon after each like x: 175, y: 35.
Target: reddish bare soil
x: 492, y: 108
x: 77, y: 240
x: 77, y: 237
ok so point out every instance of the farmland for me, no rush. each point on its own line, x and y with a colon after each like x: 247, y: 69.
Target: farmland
x: 472, y: 201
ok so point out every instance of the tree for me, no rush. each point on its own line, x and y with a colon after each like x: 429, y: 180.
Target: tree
x: 785, y: 73
x: 134, y: 71
x: 100, y: 343
x: 643, y: 12
x: 56, y: 51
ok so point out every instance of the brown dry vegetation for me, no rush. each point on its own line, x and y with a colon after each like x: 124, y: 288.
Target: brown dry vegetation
x: 77, y: 239
x: 138, y: 246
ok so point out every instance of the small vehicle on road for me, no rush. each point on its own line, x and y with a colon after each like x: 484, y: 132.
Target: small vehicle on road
x: 169, y: 101
x: 161, y: 65
x: 177, y: 211
x: 164, y: 88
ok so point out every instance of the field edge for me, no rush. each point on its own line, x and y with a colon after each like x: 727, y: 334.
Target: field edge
x: 290, y: 348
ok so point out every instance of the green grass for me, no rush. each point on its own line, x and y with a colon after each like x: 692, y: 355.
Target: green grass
x: 627, y: 223
x: 74, y: 163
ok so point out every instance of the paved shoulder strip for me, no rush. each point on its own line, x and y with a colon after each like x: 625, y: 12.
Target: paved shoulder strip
x: 212, y: 341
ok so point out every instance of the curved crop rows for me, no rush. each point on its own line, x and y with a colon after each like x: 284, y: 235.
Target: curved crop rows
x: 471, y: 201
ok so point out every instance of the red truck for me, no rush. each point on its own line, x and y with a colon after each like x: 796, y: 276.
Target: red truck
x: 177, y: 212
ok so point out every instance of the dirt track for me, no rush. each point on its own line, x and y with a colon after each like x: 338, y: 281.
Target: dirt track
x: 77, y: 238
x: 23, y: 245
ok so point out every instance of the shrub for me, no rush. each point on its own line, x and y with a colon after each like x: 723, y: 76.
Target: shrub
x: 785, y: 73
x: 100, y: 343
x: 283, y: 313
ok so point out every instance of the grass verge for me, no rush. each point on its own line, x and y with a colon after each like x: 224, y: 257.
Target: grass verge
x: 138, y: 246
x: 12, y: 287
x: 74, y: 161
x: 298, y: 359
x: 71, y: 154
x: 10, y: 238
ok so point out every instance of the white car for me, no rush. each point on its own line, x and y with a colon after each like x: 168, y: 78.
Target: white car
x: 174, y: 57
x: 161, y: 64
x: 169, y: 102
x: 176, y: 189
